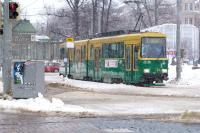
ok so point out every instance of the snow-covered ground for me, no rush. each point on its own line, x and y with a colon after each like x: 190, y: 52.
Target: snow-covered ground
x: 189, y: 76
x: 39, y: 104
x: 106, y: 104
x: 189, y: 86
x: 1, y: 87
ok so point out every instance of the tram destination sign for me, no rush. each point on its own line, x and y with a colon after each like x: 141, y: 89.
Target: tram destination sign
x: 69, y: 42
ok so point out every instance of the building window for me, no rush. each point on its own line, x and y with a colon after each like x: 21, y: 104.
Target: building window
x: 190, y: 21
x: 186, y: 6
x: 186, y: 20
x: 191, y: 6
x: 197, y: 6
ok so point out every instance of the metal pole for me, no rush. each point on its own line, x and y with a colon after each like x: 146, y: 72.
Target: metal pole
x: 1, y: 48
x: 1, y: 36
x: 69, y: 73
x: 7, y: 50
x: 65, y: 60
x: 156, y: 12
x: 178, y: 51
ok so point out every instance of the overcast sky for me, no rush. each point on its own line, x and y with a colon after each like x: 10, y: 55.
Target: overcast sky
x: 33, y: 9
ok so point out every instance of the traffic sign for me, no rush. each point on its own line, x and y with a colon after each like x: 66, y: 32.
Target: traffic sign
x: 69, y: 42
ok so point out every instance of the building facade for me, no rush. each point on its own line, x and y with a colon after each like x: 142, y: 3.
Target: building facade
x: 26, y: 45
x: 23, y: 46
x: 191, y: 12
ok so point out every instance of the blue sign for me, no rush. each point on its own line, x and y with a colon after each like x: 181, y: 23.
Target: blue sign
x: 19, y: 72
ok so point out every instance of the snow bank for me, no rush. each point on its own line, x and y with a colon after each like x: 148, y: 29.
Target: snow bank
x: 189, y: 76
x: 186, y: 87
x: 167, y: 90
x: 1, y: 87
x: 96, y: 85
x: 40, y: 104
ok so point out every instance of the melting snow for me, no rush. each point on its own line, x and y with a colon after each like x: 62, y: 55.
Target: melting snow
x: 190, y: 77
x: 40, y: 104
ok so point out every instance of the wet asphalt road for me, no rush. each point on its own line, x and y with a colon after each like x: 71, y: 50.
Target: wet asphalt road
x: 34, y: 123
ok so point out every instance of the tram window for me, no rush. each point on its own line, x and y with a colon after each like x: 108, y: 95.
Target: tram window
x: 105, y: 50
x: 113, y: 50
x: 128, y: 58
x: 78, y: 55
x: 153, y: 47
x: 121, y: 50
x: 100, y: 53
x: 83, y: 52
x: 91, y: 52
x: 74, y: 54
x: 135, y: 57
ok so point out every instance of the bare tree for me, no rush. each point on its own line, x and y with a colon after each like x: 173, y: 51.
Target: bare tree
x: 75, y: 6
x: 153, y: 11
x: 105, y: 14
x: 156, y: 12
x: 148, y: 13
x: 102, y: 16
x: 108, y: 15
x: 94, y: 16
x: 80, y: 18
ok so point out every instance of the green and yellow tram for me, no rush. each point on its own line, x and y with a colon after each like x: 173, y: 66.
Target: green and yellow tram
x: 136, y: 58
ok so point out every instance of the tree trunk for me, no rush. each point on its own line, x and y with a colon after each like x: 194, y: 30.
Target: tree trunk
x: 156, y: 12
x: 76, y: 17
x: 107, y: 16
x: 94, y: 16
x: 102, y: 14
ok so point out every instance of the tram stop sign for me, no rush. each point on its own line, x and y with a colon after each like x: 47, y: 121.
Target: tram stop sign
x: 69, y: 42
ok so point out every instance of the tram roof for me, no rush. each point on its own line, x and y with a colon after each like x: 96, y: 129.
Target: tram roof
x: 124, y: 37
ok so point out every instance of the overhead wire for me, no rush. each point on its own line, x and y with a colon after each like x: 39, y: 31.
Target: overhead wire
x: 30, y: 4
x: 52, y: 8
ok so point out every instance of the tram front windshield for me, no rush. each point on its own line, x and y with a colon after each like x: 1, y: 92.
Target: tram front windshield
x: 153, y: 47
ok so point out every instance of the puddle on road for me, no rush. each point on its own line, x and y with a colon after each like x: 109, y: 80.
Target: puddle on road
x: 119, y: 130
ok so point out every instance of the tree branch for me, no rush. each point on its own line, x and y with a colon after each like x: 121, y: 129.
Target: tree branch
x: 82, y: 3
x: 70, y: 4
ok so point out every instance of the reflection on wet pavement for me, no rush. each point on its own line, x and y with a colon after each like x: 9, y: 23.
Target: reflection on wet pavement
x: 35, y: 123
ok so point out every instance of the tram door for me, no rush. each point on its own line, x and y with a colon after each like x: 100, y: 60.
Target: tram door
x: 97, y: 53
x: 131, y: 59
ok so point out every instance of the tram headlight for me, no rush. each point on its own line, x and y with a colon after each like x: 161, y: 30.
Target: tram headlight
x: 164, y: 70
x: 146, y: 71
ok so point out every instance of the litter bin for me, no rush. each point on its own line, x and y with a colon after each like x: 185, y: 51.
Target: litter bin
x: 28, y: 79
